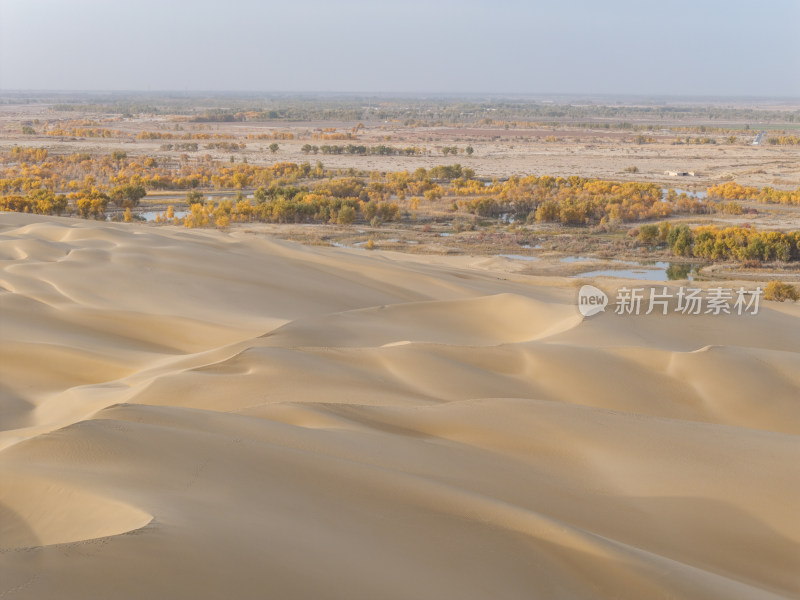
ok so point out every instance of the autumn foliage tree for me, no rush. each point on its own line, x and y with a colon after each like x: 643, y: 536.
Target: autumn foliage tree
x: 92, y: 203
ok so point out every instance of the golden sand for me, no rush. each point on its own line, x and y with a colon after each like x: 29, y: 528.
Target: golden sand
x: 194, y: 414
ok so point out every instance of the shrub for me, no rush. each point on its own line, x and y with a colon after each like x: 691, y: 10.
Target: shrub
x: 346, y: 216
x: 731, y: 208
x: 547, y: 212
x: 779, y: 291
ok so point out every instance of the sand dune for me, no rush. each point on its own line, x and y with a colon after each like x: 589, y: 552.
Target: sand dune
x: 198, y: 414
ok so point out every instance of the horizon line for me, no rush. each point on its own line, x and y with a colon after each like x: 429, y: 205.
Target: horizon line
x: 394, y: 94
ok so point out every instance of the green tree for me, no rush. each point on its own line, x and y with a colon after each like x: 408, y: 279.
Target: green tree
x: 663, y: 231
x: 680, y: 240
x: 127, y: 196
x: 260, y: 195
x: 648, y: 234
x: 194, y: 197
x: 346, y: 216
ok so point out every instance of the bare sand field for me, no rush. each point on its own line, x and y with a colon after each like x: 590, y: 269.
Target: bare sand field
x: 201, y: 414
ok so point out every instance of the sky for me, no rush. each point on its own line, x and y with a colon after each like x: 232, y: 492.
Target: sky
x: 617, y: 47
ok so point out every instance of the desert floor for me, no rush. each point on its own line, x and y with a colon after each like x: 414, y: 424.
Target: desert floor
x: 498, y: 152
x: 199, y: 414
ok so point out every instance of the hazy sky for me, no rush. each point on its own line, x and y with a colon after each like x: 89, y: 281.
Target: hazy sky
x: 678, y: 47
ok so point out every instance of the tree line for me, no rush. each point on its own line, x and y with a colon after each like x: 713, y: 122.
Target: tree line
x: 731, y: 243
x: 380, y: 150
x: 734, y: 191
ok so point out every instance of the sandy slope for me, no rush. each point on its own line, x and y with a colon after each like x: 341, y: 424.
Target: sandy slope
x: 202, y: 415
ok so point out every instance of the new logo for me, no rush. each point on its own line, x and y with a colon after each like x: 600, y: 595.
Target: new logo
x: 591, y: 300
